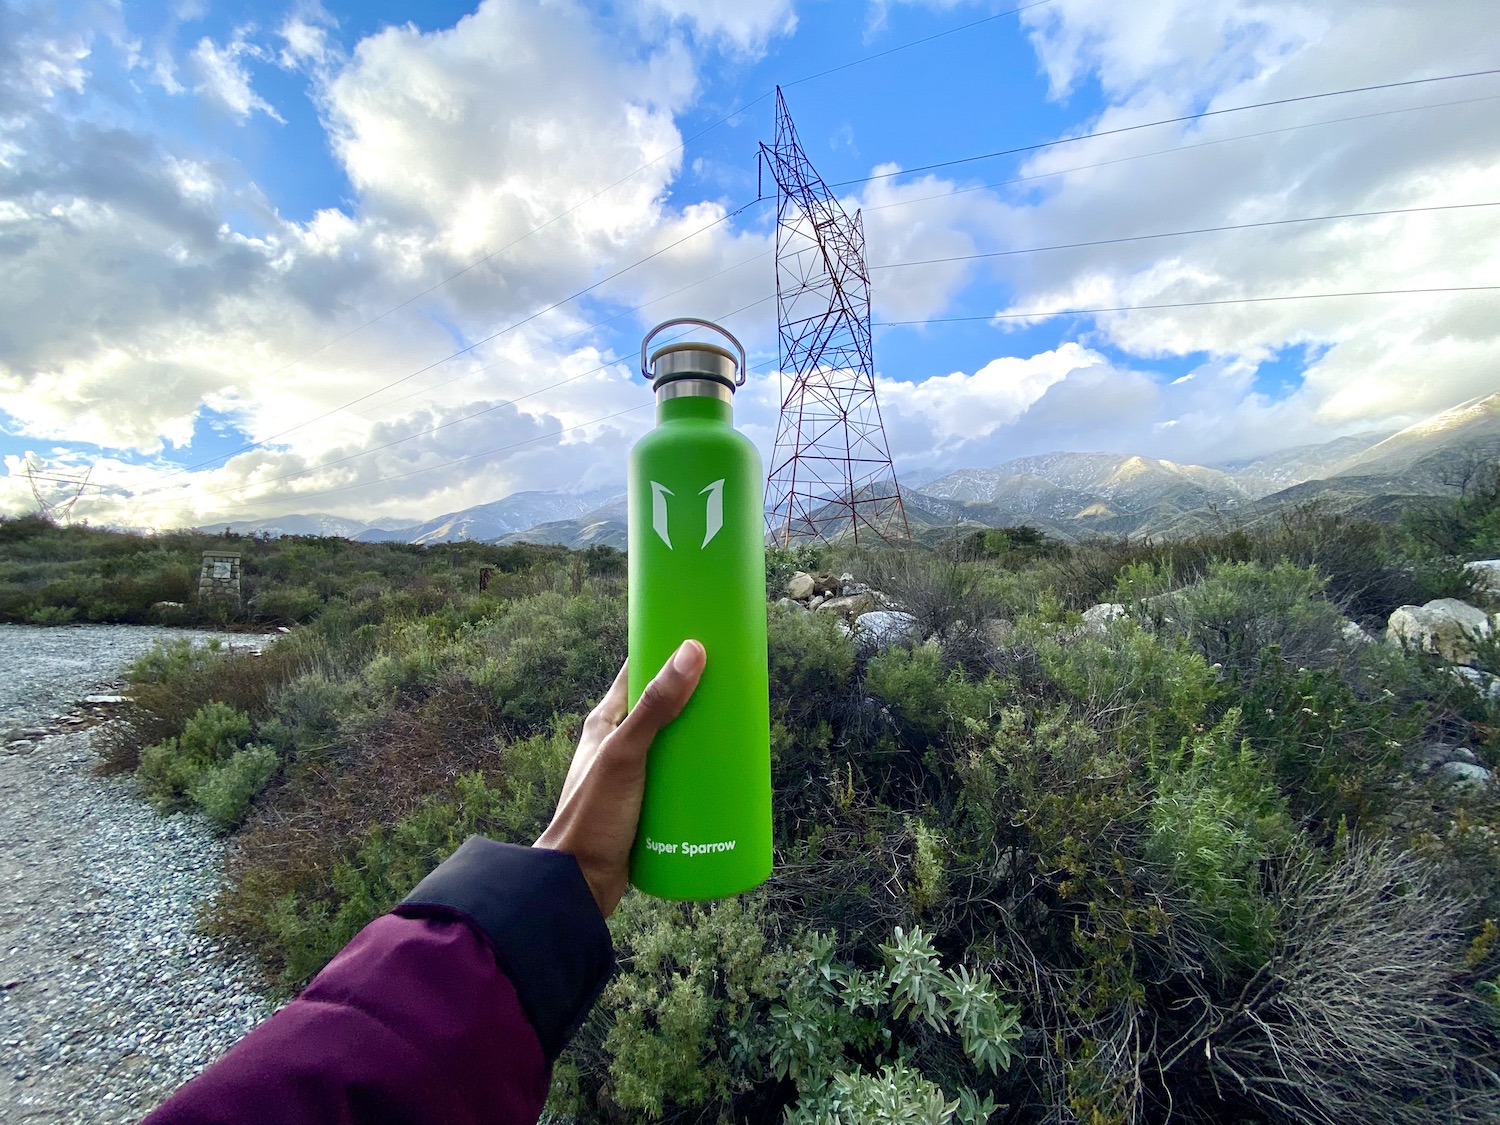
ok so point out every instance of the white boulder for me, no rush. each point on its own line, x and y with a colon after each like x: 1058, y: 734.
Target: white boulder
x: 799, y: 587
x: 885, y: 627
x: 1463, y: 775
x: 1096, y: 618
x: 1447, y: 627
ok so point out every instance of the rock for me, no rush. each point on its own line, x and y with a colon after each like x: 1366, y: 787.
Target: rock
x: 826, y: 584
x: 996, y: 631
x: 1446, y: 627
x: 1464, y: 754
x: 1096, y: 618
x: 1353, y: 634
x: 851, y: 606
x: 816, y: 601
x: 799, y: 586
x: 1486, y: 575
x: 790, y: 604
x: 20, y: 746
x: 1463, y: 775
x: 849, y: 589
x: 884, y: 628
x: 1482, y: 682
x: 104, y: 700
x: 1423, y: 759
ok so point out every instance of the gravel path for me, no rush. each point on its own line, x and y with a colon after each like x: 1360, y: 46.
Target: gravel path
x: 108, y: 998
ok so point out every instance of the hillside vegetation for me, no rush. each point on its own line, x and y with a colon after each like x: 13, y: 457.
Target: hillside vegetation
x: 52, y: 575
x: 1182, y: 864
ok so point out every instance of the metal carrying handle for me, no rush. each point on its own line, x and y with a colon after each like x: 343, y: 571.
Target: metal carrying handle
x: 728, y: 335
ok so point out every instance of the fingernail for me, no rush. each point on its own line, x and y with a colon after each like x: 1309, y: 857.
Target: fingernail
x: 689, y: 658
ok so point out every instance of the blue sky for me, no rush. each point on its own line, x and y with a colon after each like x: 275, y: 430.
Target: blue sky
x: 227, y: 224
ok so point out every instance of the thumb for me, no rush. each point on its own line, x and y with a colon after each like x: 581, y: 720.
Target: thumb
x: 664, y: 698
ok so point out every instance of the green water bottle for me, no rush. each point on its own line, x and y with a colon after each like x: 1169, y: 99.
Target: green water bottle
x: 698, y: 570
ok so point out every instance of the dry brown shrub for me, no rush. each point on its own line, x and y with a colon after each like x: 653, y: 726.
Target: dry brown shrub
x: 243, y: 679
x: 1365, y: 1013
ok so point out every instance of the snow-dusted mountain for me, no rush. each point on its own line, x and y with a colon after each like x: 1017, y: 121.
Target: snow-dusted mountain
x: 1261, y: 476
x: 1090, y: 486
x: 1119, y: 494
x: 516, y: 512
x: 1470, y: 429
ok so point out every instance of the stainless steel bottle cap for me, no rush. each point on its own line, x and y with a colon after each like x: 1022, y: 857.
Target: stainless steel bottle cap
x: 694, y: 359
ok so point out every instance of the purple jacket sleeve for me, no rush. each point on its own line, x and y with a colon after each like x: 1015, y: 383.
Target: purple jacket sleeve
x: 449, y: 1010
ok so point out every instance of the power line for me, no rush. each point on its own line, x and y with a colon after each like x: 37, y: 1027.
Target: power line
x: 1177, y: 148
x: 1183, y: 233
x: 889, y: 265
x: 587, y: 328
x: 1164, y: 121
x: 1043, y: 314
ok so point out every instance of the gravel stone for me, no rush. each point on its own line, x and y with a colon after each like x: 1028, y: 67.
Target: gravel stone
x: 109, y: 998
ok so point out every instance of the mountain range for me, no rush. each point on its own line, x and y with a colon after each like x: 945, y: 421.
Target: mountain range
x: 1064, y: 494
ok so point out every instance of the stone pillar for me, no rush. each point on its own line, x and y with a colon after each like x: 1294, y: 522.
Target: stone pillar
x: 219, y: 580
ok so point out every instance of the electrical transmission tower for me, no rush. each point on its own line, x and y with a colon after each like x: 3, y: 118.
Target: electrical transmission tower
x: 831, y: 471
x: 50, y: 505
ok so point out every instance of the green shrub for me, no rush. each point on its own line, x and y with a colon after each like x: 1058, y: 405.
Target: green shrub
x: 1240, y: 611
x: 811, y: 664
x: 1146, y: 688
x: 224, y: 792
x: 300, y: 917
x: 172, y: 682
x: 713, y: 1006
x: 1217, y: 818
x: 52, y: 615
x: 1096, y: 836
x: 171, y: 768
x: 926, y: 703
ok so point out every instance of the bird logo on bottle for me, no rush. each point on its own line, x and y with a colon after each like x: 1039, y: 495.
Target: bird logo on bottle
x: 714, y: 511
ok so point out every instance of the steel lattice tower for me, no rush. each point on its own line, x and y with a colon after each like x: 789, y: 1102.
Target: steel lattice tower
x: 831, y: 471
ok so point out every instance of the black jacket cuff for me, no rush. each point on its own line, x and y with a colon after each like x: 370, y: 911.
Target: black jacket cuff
x: 536, y: 908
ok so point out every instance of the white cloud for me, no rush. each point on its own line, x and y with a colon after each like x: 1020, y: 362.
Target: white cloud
x: 305, y: 33
x: 951, y: 412
x: 223, y: 76
x: 745, y: 26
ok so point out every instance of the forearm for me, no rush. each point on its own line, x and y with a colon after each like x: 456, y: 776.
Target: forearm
x: 449, y: 1010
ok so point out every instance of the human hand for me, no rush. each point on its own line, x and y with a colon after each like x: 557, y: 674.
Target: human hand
x: 600, y: 805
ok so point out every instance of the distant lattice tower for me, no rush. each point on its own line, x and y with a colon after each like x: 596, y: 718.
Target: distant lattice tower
x: 831, y: 472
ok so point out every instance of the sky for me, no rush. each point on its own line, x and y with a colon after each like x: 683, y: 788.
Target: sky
x: 388, y: 260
